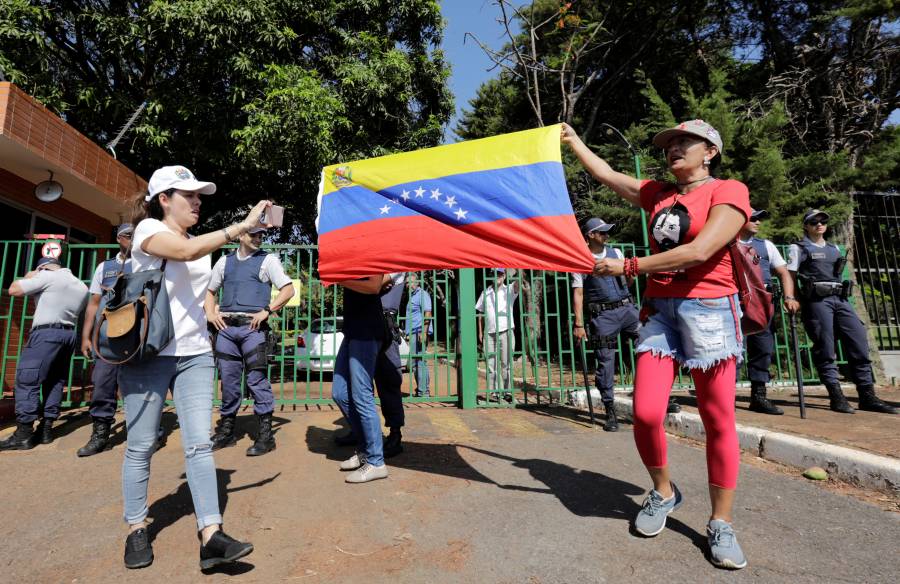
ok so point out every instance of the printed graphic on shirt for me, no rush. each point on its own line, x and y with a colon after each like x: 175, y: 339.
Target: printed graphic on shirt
x: 670, y: 227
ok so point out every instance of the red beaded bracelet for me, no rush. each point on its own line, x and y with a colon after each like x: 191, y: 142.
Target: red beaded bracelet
x: 630, y: 267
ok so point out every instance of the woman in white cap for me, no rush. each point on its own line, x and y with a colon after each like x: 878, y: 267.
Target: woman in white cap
x: 162, y: 217
x: 694, y: 316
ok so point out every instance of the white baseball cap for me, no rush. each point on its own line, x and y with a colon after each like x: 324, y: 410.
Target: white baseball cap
x: 176, y: 177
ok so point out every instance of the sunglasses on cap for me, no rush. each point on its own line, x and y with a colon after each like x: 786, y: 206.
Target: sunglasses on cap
x: 125, y: 235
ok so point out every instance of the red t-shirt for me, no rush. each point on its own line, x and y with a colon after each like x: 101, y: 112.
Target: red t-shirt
x: 673, y: 223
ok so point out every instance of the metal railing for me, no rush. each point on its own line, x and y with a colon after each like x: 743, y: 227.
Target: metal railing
x: 876, y: 222
x: 546, y: 357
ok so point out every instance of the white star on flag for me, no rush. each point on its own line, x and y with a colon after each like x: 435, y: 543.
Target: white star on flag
x: 384, y: 210
x: 460, y: 214
x: 394, y: 200
x: 405, y: 195
x: 419, y: 192
x: 436, y: 194
x: 451, y: 200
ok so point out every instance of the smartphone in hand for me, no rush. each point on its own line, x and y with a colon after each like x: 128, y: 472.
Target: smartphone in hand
x: 273, y: 216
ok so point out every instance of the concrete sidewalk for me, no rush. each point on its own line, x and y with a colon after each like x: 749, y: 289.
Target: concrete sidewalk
x: 863, y: 448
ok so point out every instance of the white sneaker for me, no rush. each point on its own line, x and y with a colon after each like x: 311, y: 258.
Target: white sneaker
x: 354, y: 462
x: 367, y: 473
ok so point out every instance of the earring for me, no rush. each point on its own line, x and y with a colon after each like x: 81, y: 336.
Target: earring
x: 706, y: 162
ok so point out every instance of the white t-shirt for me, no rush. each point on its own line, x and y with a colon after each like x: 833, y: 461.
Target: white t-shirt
x: 96, y: 281
x: 578, y: 279
x: 271, y: 270
x: 776, y: 260
x: 497, y: 305
x: 186, y: 283
x: 793, y: 263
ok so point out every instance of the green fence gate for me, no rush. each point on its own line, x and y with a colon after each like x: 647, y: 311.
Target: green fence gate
x: 545, y: 362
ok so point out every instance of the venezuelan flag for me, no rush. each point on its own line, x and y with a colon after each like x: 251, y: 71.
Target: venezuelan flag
x: 499, y: 201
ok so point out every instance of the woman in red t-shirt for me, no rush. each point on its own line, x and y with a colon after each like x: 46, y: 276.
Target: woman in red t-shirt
x: 694, y: 316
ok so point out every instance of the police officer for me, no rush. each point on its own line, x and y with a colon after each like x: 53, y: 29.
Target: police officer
x: 104, y: 375
x: 44, y: 361
x: 246, y: 277
x: 826, y: 312
x: 388, y: 371
x: 761, y: 345
x: 611, y: 310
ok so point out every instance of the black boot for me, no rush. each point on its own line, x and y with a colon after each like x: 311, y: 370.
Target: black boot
x: 392, y: 444
x: 673, y: 407
x: 837, y: 399
x: 99, y: 440
x: 870, y: 403
x: 758, y: 401
x: 221, y: 549
x: 265, y: 439
x: 612, y: 424
x: 44, y: 431
x: 22, y: 439
x: 348, y: 439
x: 224, y: 434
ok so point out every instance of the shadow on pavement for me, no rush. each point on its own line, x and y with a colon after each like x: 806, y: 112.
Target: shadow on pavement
x: 169, y: 509
x: 587, y: 493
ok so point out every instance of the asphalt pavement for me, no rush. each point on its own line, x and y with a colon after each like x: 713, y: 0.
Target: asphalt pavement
x: 501, y: 496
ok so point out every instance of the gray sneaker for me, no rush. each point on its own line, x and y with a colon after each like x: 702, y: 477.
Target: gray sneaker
x: 367, y: 473
x: 354, y: 462
x: 724, y: 550
x: 651, y: 519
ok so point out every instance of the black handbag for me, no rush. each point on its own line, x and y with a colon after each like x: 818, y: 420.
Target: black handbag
x: 134, y: 322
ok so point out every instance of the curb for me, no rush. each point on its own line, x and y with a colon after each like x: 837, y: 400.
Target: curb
x: 858, y: 467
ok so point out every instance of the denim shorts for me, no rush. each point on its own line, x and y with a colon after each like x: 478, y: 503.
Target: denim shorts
x: 696, y: 332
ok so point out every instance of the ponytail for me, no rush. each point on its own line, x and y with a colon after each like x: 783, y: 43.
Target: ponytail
x: 142, y: 209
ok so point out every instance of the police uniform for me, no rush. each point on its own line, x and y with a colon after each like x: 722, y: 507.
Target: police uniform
x: 608, y: 304
x: 246, y: 289
x: 761, y: 346
x: 104, y: 375
x: 827, y: 313
x: 43, y: 363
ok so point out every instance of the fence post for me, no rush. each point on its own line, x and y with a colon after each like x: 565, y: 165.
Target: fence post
x: 468, y: 343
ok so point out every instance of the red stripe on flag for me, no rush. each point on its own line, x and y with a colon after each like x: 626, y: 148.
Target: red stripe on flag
x: 409, y: 244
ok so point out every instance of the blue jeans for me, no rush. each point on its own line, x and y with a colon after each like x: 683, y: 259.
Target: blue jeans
x: 419, y: 367
x: 353, y: 392
x: 696, y: 332
x: 144, y: 387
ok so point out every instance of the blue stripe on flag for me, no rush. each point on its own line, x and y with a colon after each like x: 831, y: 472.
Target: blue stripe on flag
x: 517, y: 192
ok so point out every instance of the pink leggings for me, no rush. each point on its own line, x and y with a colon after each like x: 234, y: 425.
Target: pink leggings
x: 715, y: 398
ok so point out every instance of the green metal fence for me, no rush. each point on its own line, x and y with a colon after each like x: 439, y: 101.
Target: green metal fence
x: 545, y: 362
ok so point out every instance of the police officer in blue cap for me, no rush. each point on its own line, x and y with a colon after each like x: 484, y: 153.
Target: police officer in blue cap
x: 44, y: 361
x: 246, y: 277
x: 104, y: 375
x: 611, y: 311
x: 827, y: 314
x: 761, y: 346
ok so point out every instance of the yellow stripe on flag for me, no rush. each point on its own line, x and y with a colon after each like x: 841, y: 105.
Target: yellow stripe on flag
x: 503, y: 151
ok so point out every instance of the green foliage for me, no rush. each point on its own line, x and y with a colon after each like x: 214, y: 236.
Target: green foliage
x: 256, y: 95
x: 688, y: 62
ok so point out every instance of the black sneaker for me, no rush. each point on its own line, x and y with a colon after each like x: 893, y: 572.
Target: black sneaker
x: 222, y: 549
x: 138, y: 551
